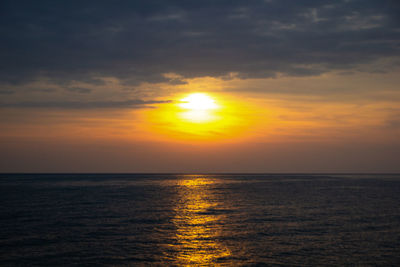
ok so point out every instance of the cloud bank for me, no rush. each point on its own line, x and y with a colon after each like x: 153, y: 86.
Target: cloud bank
x: 140, y: 41
x: 137, y: 103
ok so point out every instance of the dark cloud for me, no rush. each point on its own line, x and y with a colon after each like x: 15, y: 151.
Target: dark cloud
x: 393, y: 121
x: 139, y: 41
x: 393, y: 124
x: 43, y: 90
x: 136, y: 103
x: 6, y: 92
x: 176, y: 81
x: 80, y: 90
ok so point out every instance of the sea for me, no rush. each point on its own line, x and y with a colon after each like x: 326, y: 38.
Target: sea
x: 200, y: 220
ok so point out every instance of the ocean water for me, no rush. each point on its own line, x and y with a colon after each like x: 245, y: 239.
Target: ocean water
x: 199, y: 220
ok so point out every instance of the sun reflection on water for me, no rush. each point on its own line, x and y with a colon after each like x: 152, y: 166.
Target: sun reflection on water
x: 198, y: 226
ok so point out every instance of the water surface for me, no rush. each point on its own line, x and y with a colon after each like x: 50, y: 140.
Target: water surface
x: 179, y: 220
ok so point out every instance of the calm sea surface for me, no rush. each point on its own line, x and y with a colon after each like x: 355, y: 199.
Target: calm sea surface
x: 211, y: 220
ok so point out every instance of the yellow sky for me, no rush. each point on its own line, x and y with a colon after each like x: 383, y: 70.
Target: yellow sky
x: 322, y: 108
x: 358, y: 114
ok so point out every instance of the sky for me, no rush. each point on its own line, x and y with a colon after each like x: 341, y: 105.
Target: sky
x: 200, y: 86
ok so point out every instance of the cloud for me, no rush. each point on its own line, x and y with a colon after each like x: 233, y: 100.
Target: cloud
x: 136, y: 103
x: 393, y: 120
x: 393, y: 124
x: 6, y: 92
x: 80, y: 90
x: 140, y: 41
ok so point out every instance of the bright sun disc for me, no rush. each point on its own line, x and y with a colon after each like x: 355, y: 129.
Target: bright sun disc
x: 198, y: 101
x: 198, y: 116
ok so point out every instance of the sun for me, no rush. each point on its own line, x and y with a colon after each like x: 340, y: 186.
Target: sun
x: 198, y: 101
x: 198, y: 108
x: 200, y: 117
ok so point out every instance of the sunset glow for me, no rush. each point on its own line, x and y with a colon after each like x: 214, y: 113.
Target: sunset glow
x: 198, y: 108
x: 200, y: 133
x: 207, y: 87
x: 198, y: 101
x: 201, y: 118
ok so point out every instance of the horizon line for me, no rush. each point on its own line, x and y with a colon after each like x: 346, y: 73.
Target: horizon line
x: 210, y: 173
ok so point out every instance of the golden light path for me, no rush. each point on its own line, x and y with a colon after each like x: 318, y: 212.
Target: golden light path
x: 199, y: 116
x: 197, y: 230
